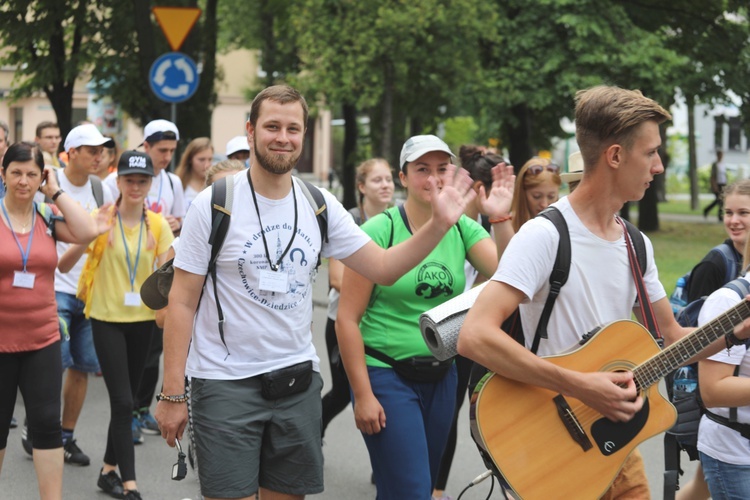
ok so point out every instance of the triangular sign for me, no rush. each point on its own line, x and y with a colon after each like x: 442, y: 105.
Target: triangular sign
x: 176, y: 23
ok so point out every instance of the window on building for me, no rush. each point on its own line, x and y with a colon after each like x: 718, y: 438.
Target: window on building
x: 735, y: 134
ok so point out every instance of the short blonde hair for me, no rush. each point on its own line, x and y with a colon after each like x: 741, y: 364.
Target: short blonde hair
x: 223, y: 166
x: 607, y: 115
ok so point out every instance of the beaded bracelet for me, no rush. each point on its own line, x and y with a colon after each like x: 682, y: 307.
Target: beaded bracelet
x: 177, y: 398
x: 504, y: 218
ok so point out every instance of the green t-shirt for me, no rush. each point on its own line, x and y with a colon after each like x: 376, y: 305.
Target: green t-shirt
x: 390, y: 323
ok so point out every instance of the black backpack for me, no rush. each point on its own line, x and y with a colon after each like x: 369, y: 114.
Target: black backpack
x: 683, y: 436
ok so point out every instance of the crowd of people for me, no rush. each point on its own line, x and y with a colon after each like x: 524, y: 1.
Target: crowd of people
x: 84, y: 231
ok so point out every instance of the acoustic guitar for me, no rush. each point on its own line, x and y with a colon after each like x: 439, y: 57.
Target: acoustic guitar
x: 546, y: 445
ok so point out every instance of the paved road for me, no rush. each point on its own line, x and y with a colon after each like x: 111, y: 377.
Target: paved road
x: 347, y: 470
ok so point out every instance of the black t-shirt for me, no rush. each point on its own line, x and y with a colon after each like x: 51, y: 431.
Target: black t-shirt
x: 710, y: 273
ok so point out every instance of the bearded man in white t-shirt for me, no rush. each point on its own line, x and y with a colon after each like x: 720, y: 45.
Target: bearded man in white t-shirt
x: 618, y: 134
x: 265, y: 272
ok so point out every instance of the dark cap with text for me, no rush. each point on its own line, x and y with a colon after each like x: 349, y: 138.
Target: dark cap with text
x: 135, y: 162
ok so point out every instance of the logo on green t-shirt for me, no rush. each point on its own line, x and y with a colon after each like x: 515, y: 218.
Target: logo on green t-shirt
x: 434, y: 280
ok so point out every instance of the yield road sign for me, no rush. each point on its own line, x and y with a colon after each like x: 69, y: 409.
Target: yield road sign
x: 174, y: 77
x: 176, y: 23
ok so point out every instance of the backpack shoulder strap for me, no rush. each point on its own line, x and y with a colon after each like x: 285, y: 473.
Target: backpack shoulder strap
x: 48, y: 216
x: 730, y: 261
x: 97, y: 190
x: 559, y: 275
x: 390, y: 238
x: 318, y: 203
x: 636, y: 236
x: 741, y: 286
x: 171, y: 182
x: 222, y: 198
x: 154, y: 222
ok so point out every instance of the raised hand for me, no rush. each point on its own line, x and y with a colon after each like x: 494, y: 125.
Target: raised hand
x: 104, y: 218
x: 452, y: 198
x: 50, y: 187
x: 498, y: 201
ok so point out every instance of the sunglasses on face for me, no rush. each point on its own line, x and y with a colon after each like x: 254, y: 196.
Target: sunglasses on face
x: 538, y: 169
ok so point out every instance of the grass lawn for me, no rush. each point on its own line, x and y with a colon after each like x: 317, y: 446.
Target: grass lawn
x: 678, y: 246
x: 682, y: 206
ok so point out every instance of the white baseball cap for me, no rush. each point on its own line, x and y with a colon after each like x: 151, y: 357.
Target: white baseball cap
x: 238, y: 143
x: 152, y: 130
x: 86, y: 135
x: 419, y: 145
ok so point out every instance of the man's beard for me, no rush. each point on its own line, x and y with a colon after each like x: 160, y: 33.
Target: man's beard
x: 273, y: 163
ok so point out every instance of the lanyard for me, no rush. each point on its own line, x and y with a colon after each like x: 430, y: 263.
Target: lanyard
x: 131, y: 269
x: 24, y: 255
x: 158, y: 200
x: 274, y: 267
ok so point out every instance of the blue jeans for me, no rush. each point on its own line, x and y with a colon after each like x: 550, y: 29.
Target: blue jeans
x: 78, y: 352
x: 405, y: 456
x: 726, y: 481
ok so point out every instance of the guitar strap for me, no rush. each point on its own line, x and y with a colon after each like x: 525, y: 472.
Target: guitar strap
x: 647, y: 311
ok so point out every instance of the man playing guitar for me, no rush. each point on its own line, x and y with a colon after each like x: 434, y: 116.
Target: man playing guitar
x: 618, y: 133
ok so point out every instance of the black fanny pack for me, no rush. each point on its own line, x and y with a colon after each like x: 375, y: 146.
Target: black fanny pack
x: 416, y: 369
x: 286, y: 381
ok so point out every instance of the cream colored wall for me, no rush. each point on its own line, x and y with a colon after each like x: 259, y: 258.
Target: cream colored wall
x: 240, y: 70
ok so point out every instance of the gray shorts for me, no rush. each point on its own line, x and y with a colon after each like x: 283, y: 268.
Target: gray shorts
x: 244, y: 442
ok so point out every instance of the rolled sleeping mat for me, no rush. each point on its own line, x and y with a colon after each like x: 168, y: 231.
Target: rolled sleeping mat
x: 440, y: 325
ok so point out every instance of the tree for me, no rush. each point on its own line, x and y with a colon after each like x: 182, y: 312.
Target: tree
x: 404, y: 64
x: 541, y: 52
x: 49, y: 44
x: 134, y: 41
x: 701, y: 32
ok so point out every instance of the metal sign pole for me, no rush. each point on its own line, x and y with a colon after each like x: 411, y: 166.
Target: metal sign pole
x: 173, y: 117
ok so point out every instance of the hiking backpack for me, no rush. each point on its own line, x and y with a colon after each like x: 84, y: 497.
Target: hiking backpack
x: 684, y: 433
x: 679, y: 298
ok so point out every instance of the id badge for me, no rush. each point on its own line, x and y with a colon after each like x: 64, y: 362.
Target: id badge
x: 273, y: 281
x: 23, y: 279
x: 132, y: 299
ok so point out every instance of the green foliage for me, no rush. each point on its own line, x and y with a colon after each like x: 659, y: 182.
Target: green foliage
x: 678, y: 246
x: 460, y: 130
x: 49, y: 43
x: 400, y: 60
x: 134, y: 40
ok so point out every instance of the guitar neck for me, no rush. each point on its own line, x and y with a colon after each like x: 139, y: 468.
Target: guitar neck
x: 668, y: 360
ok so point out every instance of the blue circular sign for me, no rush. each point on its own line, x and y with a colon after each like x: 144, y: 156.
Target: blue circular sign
x: 174, y: 77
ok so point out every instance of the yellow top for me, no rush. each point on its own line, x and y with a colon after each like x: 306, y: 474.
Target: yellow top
x: 110, y: 281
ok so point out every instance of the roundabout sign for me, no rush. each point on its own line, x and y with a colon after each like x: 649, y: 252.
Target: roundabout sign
x: 174, y: 77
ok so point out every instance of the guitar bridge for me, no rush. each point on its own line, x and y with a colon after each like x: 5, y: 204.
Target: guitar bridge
x: 571, y: 423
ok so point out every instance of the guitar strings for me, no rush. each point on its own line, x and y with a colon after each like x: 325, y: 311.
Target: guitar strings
x: 651, y: 371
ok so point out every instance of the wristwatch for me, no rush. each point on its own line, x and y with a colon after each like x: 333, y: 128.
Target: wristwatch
x: 57, y: 194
